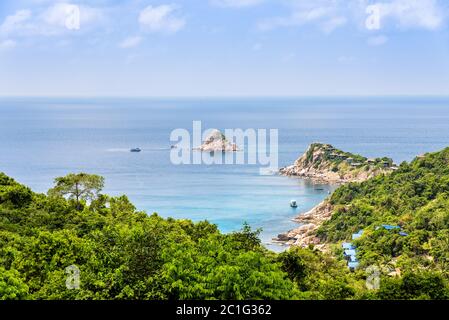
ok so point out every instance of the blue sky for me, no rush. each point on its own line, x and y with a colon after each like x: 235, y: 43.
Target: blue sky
x: 224, y: 48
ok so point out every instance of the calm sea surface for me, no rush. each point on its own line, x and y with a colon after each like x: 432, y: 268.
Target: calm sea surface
x: 44, y: 138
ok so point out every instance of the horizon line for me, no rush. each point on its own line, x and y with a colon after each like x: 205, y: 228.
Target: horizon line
x: 225, y: 96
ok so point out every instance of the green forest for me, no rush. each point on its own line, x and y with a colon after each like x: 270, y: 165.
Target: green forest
x: 123, y: 253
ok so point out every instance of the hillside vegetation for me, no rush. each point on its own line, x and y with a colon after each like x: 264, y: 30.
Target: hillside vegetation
x: 414, y: 198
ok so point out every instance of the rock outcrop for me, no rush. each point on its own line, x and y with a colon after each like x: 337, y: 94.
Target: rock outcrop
x: 216, y: 141
x: 323, y: 163
x: 305, y: 234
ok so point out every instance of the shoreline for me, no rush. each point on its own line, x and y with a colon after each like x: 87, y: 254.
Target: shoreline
x: 315, y: 177
x: 310, y: 221
x: 322, y: 163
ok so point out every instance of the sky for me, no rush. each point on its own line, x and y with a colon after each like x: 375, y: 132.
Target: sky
x: 224, y: 48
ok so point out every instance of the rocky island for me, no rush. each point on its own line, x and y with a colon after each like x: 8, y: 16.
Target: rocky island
x: 322, y: 163
x: 216, y: 141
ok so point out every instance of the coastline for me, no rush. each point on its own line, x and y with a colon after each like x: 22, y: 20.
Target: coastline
x: 327, y: 176
x: 310, y: 221
x: 325, y: 164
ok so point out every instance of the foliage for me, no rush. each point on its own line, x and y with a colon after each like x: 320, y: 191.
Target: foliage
x: 123, y: 253
x: 11, y: 285
x: 414, y: 198
x: 81, y: 186
x: 319, y: 274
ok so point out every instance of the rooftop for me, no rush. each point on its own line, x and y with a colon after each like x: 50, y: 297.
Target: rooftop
x: 350, y: 252
x: 347, y: 245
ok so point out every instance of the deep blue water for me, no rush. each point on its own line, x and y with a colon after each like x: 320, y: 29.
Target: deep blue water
x: 44, y: 138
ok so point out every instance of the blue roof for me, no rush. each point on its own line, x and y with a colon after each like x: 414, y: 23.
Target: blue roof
x: 404, y: 234
x: 353, y: 265
x: 389, y: 227
x: 350, y: 252
x: 356, y: 236
x: 353, y: 259
x: 347, y: 245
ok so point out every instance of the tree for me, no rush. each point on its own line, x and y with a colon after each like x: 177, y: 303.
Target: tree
x: 16, y: 195
x: 81, y: 186
x: 11, y: 286
x: 246, y: 238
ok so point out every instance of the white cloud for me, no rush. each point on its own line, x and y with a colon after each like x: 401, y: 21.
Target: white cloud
x: 236, y: 3
x: 130, y: 42
x: 50, y: 21
x: 331, y: 14
x: 331, y: 24
x: 57, y: 14
x: 15, y: 22
x: 323, y: 13
x: 7, y: 44
x: 377, y: 40
x: 161, y: 18
x: 426, y: 14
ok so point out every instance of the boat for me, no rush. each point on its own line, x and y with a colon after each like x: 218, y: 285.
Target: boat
x: 135, y: 150
x: 293, y: 204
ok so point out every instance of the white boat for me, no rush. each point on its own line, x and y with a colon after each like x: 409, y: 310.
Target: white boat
x: 293, y: 204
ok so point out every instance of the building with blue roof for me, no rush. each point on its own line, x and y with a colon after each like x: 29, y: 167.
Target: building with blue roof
x: 347, y: 246
x: 357, y: 235
x: 390, y: 227
x: 353, y: 265
x: 350, y: 252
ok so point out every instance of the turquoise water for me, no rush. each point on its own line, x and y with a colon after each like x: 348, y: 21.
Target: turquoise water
x: 44, y: 138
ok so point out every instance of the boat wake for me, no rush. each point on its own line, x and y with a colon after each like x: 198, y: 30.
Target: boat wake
x: 118, y: 150
x: 143, y: 149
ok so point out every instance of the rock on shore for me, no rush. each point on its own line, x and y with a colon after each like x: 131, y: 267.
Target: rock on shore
x: 310, y: 221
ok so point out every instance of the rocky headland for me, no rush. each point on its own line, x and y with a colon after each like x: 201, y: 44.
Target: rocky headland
x: 322, y: 163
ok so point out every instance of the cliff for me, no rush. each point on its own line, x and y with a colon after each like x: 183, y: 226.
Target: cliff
x: 325, y: 164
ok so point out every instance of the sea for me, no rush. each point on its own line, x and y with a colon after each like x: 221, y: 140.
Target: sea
x: 43, y: 138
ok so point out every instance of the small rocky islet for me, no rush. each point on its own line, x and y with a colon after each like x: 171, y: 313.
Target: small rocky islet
x: 216, y: 141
